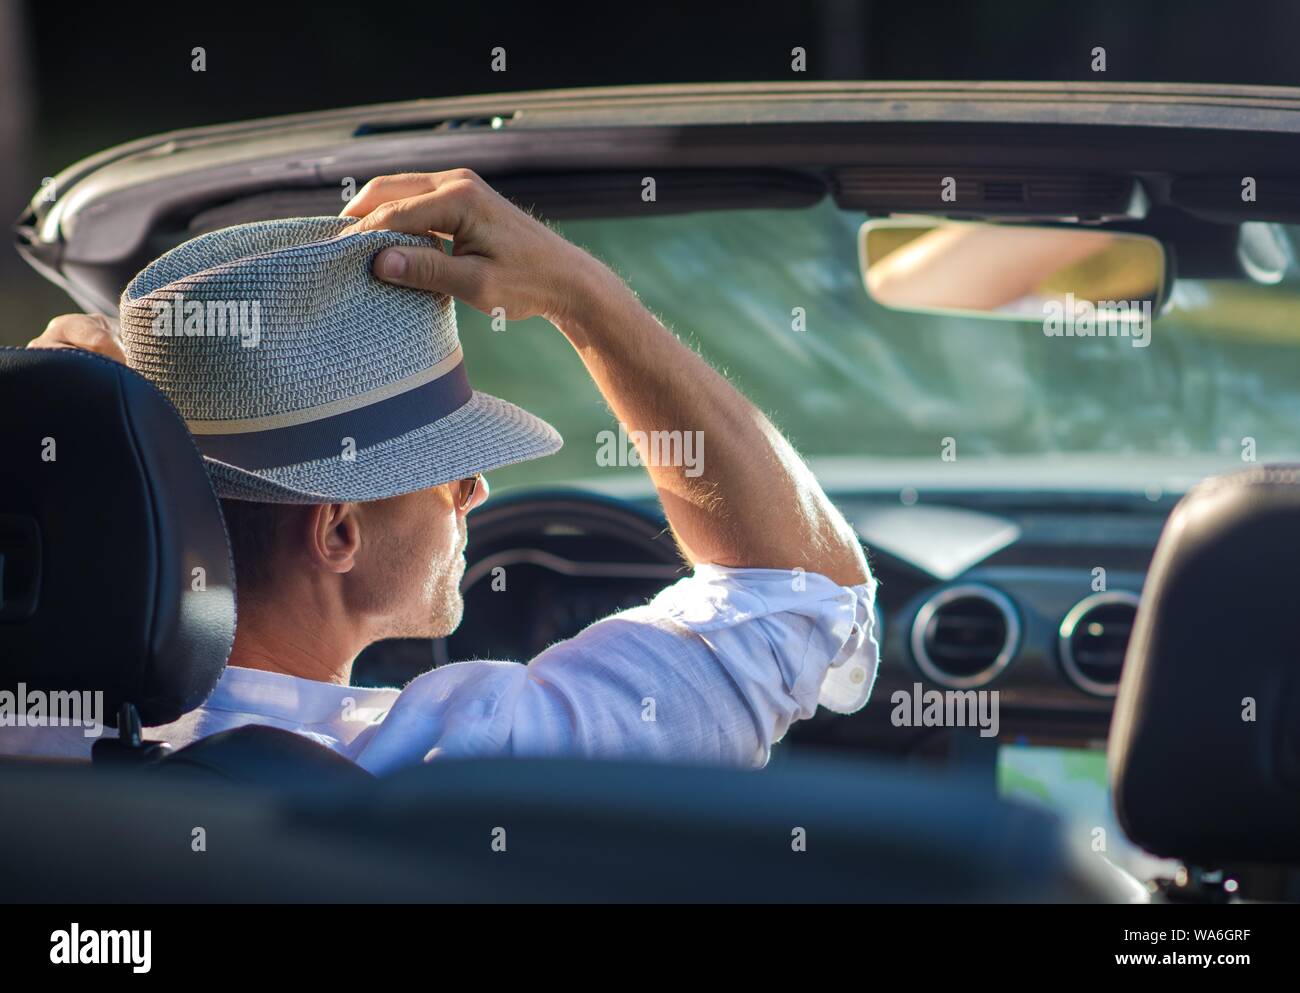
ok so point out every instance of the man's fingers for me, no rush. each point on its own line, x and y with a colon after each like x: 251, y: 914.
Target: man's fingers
x: 86, y: 330
x: 432, y: 269
x: 444, y: 211
x: 90, y: 332
x: 383, y: 189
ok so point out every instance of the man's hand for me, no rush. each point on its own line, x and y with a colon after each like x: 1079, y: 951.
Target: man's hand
x: 750, y: 501
x: 501, y: 257
x: 89, y: 332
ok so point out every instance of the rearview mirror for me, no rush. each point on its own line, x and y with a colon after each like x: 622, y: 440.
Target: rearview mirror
x: 1010, y: 271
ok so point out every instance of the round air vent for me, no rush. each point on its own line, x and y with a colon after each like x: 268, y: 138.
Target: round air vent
x: 963, y: 636
x: 1094, y: 638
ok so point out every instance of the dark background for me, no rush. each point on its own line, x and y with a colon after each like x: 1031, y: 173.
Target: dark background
x: 74, y: 81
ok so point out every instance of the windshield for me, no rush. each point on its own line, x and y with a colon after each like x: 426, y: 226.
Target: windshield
x: 774, y: 299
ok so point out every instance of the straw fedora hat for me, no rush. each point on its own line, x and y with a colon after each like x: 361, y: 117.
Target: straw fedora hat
x: 303, y: 378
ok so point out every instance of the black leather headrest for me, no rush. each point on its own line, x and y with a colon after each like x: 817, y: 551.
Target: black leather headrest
x: 1205, y: 741
x: 114, y: 562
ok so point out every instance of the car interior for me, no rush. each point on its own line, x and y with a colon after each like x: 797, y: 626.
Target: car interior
x: 1122, y: 582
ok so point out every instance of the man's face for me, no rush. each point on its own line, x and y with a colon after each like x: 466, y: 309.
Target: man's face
x: 411, y: 562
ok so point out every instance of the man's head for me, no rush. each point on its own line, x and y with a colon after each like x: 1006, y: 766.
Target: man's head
x: 380, y: 568
x: 329, y: 434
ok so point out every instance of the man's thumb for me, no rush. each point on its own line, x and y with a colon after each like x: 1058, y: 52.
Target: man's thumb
x: 425, y: 269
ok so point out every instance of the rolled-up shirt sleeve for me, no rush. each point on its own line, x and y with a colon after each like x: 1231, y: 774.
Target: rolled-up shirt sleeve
x: 714, y: 669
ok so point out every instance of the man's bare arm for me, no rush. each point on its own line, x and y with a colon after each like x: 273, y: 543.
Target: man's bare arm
x: 754, y: 502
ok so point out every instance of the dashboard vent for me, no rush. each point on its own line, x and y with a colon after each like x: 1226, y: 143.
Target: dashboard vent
x: 963, y: 636
x: 1094, y: 638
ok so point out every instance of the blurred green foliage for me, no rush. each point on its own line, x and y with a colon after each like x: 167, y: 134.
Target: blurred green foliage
x: 1223, y: 363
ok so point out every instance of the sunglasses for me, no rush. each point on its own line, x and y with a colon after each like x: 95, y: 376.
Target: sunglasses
x: 463, y: 490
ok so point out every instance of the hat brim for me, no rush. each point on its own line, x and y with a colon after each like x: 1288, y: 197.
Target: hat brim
x: 485, y: 433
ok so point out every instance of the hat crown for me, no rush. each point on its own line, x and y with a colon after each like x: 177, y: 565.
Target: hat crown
x: 280, y: 317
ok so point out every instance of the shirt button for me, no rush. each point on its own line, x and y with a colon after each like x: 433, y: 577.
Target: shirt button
x: 857, y: 675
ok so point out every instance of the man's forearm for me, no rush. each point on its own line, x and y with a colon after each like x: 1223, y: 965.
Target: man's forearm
x: 754, y: 502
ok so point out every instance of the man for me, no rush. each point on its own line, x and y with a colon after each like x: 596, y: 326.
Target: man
x: 776, y: 617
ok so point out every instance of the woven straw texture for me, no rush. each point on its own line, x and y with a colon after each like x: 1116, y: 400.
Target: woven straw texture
x: 326, y: 330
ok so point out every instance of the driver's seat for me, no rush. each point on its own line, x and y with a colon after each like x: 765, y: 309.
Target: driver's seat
x: 115, y: 568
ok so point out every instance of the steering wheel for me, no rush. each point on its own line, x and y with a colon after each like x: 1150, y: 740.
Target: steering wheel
x: 540, y: 567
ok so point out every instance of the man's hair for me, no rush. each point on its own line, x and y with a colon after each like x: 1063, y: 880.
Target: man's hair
x: 254, y: 530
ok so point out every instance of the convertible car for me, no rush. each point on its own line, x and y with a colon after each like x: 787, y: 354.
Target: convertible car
x: 1084, y: 540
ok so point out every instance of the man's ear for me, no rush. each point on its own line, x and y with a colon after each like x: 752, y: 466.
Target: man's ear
x: 334, y: 536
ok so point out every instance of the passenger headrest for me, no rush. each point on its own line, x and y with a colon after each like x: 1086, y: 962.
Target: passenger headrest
x: 115, y: 570
x: 1205, y: 740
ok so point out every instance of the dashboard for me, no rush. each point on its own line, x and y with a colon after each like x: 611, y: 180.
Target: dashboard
x: 1032, y: 595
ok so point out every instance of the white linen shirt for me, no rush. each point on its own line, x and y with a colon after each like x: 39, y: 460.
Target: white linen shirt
x: 713, y: 670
